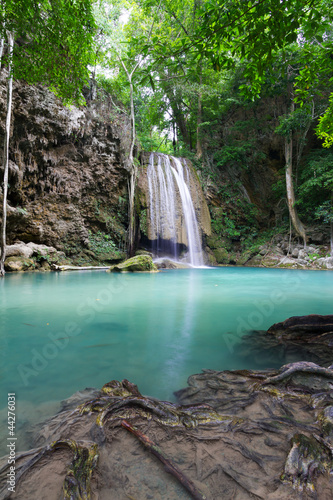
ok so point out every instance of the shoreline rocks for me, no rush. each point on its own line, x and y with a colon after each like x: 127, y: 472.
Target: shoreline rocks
x: 31, y: 256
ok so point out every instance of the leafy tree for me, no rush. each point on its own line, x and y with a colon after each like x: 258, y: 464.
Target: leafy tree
x: 316, y: 189
x: 52, y: 46
x: 130, y: 58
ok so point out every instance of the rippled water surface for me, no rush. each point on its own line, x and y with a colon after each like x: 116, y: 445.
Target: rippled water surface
x: 62, y: 332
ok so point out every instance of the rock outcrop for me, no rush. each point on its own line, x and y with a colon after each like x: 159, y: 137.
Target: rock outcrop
x: 67, y: 181
x: 30, y: 256
x: 282, y: 253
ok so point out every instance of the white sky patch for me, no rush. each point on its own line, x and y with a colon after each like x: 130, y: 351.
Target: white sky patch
x: 124, y: 16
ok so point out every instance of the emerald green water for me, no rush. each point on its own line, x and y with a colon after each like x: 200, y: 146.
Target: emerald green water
x: 62, y: 332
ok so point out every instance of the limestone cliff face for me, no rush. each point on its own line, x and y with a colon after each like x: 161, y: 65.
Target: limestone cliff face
x: 66, y: 172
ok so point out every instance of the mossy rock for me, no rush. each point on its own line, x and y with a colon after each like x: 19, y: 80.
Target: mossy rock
x: 214, y: 242
x: 139, y: 263
x: 244, y: 258
x: 111, y: 257
x: 211, y: 259
x: 18, y: 264
x: 255, y: 261
x: 143, y: 252
x: 221, y: 255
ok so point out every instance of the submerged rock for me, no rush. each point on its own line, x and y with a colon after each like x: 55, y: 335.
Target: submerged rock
x: 299, y: 338
x: 139, y: 263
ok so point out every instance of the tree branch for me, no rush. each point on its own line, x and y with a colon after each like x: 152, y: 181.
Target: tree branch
x: 169, y: 466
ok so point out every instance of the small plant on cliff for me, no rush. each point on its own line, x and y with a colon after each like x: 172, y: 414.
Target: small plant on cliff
x: 102, y: 245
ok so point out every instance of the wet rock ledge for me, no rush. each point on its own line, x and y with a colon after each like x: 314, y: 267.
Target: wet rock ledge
x: 240, y: 434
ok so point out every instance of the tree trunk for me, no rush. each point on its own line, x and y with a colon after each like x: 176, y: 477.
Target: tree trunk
x: 174, y: 140
x: 199, y: 121
x: 131, y: 166
x: 331, y: 224
x: 2, y: 42
x: 132, y: 182
x: 5, y: 154
x: 288, y: 153
x: 298, y: 226
x: 181, y: 123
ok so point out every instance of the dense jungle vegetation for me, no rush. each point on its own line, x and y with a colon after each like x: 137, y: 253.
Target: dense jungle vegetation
x: 211, y: 81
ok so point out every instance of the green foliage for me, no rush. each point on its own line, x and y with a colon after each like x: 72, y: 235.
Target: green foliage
x: 116, y: 87
x: 102, y: 245
x: 225, y: 226
x: 55, y: 43
x: 325, y: 126
x: 236, y: 220
x: 234, y: 154
x: 324, y: 212
x: 298, y: 120
x: 143, y: 222
x: 313, y: 256
x: 40, y: 257
x: 316, y: 189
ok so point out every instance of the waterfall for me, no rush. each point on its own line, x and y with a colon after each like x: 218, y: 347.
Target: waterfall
x: 172, y: 218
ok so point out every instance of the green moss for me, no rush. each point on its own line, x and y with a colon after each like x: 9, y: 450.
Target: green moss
x: 139, y: 263
x: 221, y: 255
x: 143, y: 222
x: 214, y: 241
x: 245, y: 257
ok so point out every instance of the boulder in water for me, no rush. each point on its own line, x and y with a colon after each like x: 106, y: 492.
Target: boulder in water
x: 165, y: 263
x: 139, y: 263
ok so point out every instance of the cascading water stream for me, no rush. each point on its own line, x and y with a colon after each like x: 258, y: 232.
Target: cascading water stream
x: 171, y: 208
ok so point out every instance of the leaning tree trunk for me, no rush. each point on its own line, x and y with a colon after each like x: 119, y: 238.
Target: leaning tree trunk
x: 288, y: 153
x: 331, y: 225
x: 298, y: 226
x: 199, y: 121
x: 5, y: 154
x: 132, y: 182
x: 131, y: 166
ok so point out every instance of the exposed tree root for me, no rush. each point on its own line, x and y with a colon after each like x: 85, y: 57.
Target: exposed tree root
x: 77, y: 481
x: 170, y: 467
x: 288, y: 370
x: 306, y: 459
x: 132, y: 404
x: 247, y: 449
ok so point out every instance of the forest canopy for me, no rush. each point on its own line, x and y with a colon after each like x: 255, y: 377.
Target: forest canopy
x: 181, y: 68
